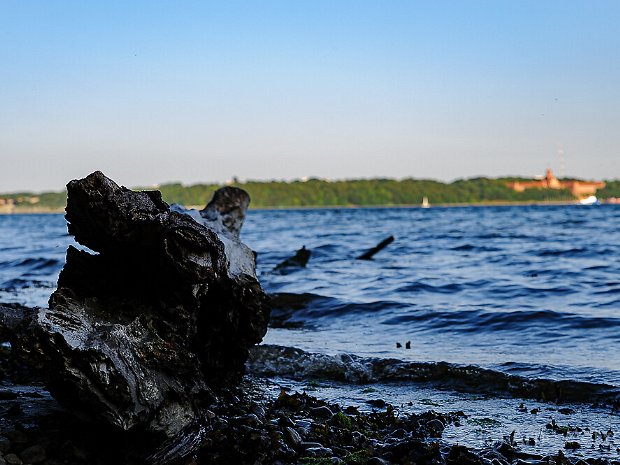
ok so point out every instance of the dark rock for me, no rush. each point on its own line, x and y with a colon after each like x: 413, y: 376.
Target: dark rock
x: 33, y: 454
x: 377, y: 461
x: 461, y: 455
x: 141, y: 333
x: 284, y: 420
x: 318, y: 452
x: 435, y: 428
x: 5, y: 445
x: 18, y: 438
x: 292, y: 436
x: 322, y: 412
x: 12, y: 459
x: 310, y: 445
x: 377, y: 403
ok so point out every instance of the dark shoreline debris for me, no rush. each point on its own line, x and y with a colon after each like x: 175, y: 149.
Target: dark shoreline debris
x: 380, y: 246
x: 247, y: 426
x: 299, y: 260
x: 144, y: 333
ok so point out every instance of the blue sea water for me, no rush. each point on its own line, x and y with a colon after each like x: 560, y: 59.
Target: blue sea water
x: 528, y: 290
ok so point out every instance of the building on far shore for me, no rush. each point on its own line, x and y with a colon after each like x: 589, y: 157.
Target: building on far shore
x: 7, y: 205
x: 579, y: 189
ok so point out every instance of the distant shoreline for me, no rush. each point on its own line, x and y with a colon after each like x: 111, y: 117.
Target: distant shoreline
x: 39, y: 211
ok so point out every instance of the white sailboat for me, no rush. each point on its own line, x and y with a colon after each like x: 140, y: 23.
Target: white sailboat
x: 425, y: 203
x: 592, y: 200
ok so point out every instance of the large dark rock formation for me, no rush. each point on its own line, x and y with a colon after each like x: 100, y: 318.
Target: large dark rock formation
x: 159, y: 313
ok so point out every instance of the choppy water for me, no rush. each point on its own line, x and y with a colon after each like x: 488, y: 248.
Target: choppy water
x: 528, y: 290
x: 525, y: 292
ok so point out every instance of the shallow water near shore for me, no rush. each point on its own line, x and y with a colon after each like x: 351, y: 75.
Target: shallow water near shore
x: 532, y: 291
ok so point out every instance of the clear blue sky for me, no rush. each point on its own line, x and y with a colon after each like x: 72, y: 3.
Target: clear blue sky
x: 152, y: 91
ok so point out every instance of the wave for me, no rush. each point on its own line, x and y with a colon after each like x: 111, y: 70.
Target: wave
x: 293, y: 363
x: 474, y: 248
x: 294, y: 310
x: 562, y: 252
x: 33, y: 264
x: 297, y: 310
x: 15, y: 284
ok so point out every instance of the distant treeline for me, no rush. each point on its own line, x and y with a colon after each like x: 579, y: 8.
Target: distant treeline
x: 368, y: 192
x: 357, y: 192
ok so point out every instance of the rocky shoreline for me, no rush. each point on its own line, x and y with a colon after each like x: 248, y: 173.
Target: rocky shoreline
x: 247, y: 425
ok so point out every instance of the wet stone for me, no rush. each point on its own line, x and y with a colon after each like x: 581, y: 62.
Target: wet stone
x: 376, y: 403
x: 310, y: 445
x: 284, y: 420
x: 33, y: 454
x: 304, y: 425
x: 322, y: 412
x: 292, y: 436
x: 17, y: 437
x: 248, y: 420
x: 5, y: 444
x: 377, y: 461
x: 318, y: 452
x: 398, y: 434
x: 435, y: 427
x: 12, y: 459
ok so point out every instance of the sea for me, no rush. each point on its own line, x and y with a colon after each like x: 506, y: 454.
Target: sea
x: 509, y: 295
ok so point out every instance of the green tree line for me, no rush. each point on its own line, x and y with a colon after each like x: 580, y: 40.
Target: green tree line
x: 354, y: 192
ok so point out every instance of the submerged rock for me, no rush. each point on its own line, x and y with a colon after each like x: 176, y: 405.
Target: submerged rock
x: 142, y: 331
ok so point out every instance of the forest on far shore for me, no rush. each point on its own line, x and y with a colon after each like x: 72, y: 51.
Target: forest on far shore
x: 346, y: 193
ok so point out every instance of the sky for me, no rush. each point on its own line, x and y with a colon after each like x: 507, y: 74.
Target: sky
x: 152, y: 91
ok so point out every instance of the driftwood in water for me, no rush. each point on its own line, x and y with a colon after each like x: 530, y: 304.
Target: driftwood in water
x: 299, y: 260
x: 380, y: 246
x: 140, y: 333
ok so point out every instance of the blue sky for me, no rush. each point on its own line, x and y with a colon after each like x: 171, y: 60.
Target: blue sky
x: 151, y: 92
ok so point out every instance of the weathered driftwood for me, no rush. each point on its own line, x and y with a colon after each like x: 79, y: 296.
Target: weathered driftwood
x: 142, y: 331
x: 377, y: 248
x: 299, y: 260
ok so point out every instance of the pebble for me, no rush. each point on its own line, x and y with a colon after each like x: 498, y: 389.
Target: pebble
x: 17, y: 437
x: 377, y: 403
x: 12, y: 459
x: 33, y: 454
x: 249, y: 420
x: 284, y: 420
x: 310, y: 445
x: 292, y: 436
x: 436, y: 425
x: 319, y: 452
x: 5, y: 445
x: 304, y: 425
x: 322, y: 412
x: 377, y: 461
x: 399, y: 433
